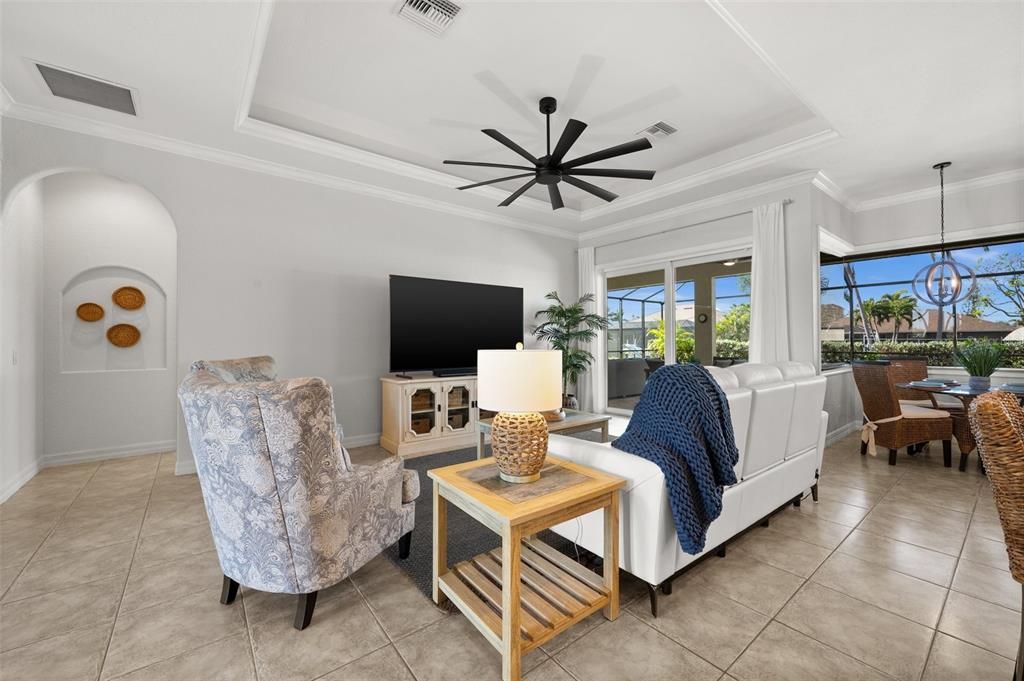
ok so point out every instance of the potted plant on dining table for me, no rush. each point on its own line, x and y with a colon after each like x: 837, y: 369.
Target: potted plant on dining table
x: 980, y: 359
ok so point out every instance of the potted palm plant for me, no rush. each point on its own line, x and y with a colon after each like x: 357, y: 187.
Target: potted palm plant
x: 980, y: 360
x: 565, y: 327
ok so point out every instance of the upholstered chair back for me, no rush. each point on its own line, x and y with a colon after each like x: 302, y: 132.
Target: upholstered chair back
x: 279, y: 491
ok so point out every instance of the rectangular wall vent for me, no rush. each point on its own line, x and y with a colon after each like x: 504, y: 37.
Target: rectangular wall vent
x: 659, y: 129
x: 434, y: 15
x: 88, y: 90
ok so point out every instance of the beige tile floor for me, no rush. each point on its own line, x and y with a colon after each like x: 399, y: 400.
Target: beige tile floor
x: 107, y: 571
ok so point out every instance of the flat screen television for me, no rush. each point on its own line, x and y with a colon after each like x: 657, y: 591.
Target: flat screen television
x: 439, y: 325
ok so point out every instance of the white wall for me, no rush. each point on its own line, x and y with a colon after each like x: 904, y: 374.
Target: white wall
x: 100, y: 400
x: 21, y: 331
x: 299, y: 271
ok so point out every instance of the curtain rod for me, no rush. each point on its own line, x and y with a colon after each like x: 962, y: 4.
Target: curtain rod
x: 785, y: 202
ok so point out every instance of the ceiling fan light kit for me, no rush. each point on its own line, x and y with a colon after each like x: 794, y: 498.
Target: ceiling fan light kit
x: 551, y: 170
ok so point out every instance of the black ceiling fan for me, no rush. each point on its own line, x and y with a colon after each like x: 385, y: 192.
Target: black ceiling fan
x: 551, y: 169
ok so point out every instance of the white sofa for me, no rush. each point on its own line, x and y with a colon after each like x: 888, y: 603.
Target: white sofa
x: 780, y: 430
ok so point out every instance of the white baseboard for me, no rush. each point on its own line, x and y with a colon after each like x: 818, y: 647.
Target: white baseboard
x: 14, y: 484
x: 353, y: 441
x: 83, y: 455
x: 841, y: 432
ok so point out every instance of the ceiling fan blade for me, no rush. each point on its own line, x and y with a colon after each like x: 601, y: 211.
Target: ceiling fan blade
x: 494, y: 134
x: 614, y: 172
x: 592, y: 188
x: 517, y: 193
x: 486, y: 165
x: 555, y: 196
x: 500, y: 179
x: 610, y: 152
x: 572, y: 132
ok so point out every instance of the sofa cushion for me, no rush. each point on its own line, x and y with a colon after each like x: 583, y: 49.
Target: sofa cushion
x: 795, y: 370
x: 911, y: 411
x: 750, y: 375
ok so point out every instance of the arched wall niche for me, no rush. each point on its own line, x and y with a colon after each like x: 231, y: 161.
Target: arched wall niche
x: 69, y: 234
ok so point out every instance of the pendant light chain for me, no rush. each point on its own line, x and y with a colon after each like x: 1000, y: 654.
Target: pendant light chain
x: 942, y: 211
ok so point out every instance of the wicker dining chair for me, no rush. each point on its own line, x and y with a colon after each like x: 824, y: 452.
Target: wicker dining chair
x: 894, y: 425
x: 906, y: 370
x: 997, y: 420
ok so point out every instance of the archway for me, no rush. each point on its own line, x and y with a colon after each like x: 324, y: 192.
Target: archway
x: 69, y: 394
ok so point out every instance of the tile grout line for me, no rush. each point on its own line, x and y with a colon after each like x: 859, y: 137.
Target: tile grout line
x: 248, y: 635
x: 387, y: 635
x: 956, y: 568
x: 138, y: 539
x: 50, y: 532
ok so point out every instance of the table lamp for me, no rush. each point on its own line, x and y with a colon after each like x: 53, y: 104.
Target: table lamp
x: 519, y: 384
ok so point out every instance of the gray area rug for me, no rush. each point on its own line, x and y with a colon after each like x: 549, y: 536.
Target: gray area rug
x: 466, y: 537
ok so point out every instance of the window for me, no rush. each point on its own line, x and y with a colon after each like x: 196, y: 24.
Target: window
x: 636, y: 332
x: 868, y: 308
x: 732, y: 318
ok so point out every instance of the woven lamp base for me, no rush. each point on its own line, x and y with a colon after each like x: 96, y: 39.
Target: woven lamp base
x: 519, y: 442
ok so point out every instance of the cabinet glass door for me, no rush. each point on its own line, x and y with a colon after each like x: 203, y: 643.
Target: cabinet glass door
x: 423, y: 412
x: 459, y: 407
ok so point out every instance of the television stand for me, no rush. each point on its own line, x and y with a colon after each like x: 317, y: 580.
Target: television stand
x: 455, y: 371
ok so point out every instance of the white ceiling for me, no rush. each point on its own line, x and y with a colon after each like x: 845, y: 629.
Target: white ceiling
x: 869, y: 93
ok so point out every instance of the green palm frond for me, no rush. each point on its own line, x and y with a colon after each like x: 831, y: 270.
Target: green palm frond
x: 565, y: 327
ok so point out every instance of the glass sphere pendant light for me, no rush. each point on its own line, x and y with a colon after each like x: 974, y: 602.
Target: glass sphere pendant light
x: 945, y: 281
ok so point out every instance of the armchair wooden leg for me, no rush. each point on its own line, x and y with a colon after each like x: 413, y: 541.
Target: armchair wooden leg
x: 863, y: 448
x: 228, y: 591
x: 892, y: 457
x: 652, y: 591
x: 404, y: 545
x: 947, y: 453
x: 963, y: 461
x: 304, y: 611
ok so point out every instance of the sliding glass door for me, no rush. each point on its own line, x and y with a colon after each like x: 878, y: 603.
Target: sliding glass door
x: 636, y: 334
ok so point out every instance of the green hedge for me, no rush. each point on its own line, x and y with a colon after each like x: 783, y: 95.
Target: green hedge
x: 734, y: 349
x: 938, y: 353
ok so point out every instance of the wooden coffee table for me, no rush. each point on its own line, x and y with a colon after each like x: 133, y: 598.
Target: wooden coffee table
x: 574, y: 422
x: 526, y: 593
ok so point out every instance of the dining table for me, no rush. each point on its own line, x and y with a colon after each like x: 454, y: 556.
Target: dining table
x: 966, y: 394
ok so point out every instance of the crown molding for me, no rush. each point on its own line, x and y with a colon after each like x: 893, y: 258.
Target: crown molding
x: 318, y: 145
x: 148, y: 140
x: 779, y: 184
x: 737, y: 28
x: 824, y: 183
x: 990, y: 231
x: 719, y: 172
x: 993, y: 180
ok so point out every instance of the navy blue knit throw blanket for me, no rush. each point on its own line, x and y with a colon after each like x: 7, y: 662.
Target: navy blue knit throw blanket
x: 682, y: 424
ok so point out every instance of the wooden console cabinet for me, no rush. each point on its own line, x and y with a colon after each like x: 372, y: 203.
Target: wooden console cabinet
x: 428, y: 414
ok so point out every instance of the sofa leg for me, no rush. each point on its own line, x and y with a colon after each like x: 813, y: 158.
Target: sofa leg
x: 666, y: 587
x: 796, y: 501
x: 814, y: 491
x: 947, y: 453
x: 228, y: 591
x: 404, y: 544
x: 721, y: 551
x: 652, y: 591
x: 766, y: 522
x: 304, y: 610
x: 892, y: 457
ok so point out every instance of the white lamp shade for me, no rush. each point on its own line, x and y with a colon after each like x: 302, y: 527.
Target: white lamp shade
x: 519, y: 380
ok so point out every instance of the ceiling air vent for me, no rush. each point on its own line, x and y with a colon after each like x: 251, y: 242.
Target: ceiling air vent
x: 88, y: 90
x: 434, y: 15
x: 659, y: 129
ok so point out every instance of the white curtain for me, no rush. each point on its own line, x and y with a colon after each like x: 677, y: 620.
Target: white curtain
x: 586, y: 386
x: 769, y: 320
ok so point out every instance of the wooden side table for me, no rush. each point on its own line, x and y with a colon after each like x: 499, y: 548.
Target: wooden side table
x: 526, y: 593
x: 574, y: 422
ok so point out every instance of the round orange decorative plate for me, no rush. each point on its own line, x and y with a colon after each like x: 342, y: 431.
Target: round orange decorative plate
x: 123, y: 335
x: 129, y: 297
x: 89, y: 312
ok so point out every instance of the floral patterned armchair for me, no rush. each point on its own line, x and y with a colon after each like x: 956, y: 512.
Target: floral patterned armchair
x: 289, y: 512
